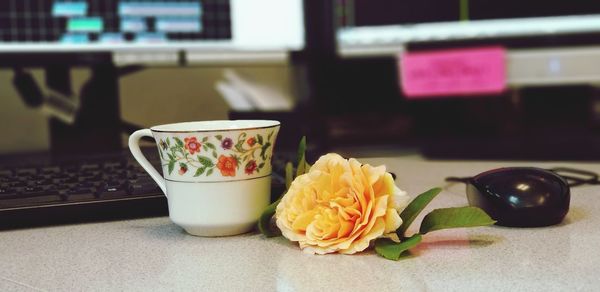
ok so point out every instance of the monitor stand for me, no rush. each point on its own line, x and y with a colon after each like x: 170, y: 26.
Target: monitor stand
x: 97, y: 127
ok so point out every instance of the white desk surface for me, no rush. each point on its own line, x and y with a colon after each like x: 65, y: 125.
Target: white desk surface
x: 155, y: 255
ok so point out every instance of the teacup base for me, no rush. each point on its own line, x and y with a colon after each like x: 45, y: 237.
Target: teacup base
x: 216, y: 231
x: 218, y: 208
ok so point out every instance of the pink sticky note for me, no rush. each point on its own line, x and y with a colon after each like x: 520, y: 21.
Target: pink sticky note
x: 453, y: 72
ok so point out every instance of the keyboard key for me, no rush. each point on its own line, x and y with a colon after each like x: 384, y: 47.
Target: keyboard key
x: 17, y: 184
x: 80, y: 190
x: 142, y: 180
x: 112, y: 165
x: 70, y: 180
x: 88, y: 173
x: 49, y: 170
x: 69, y: 169
x: 112, y: 193
x: 6, y: 192
x: 6, y: 173
x: 80, y: 197
x: 42, y: 182
x: 32, y: 191
x: 85, y: 185
x: 91, y: 166
x: 35, y: 177
x: 26, y: 171
x: 139, y: 189
x: 113, y: 184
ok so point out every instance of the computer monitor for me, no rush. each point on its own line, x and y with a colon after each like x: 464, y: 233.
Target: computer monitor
x: 105, y: 35
x: 547, y: 43
x: 79, y: 25
x: 388, y: 26
x: 158, y: 30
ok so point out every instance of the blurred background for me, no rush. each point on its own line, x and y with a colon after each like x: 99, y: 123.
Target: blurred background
x: 329, y: 69
x: 453, y: 79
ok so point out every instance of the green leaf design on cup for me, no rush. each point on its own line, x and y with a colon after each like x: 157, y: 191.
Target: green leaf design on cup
x: 200, y: 154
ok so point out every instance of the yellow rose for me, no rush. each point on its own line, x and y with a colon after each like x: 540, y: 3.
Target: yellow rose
x: 340, y: 206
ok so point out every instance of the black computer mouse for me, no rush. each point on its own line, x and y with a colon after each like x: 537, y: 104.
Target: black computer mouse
x: 521, y: 196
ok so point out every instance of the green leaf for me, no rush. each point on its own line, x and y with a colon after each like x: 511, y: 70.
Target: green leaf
x: 270, y: 135
x: 168, y: 142
x: 209, y: 172
x: 199, y: 171
x: 302, y: 167
x: 415, y: 207
x: 219, y: 137
x: 205, y: 161
x: 183, y: 165
x: 178, y: 141
x: 261, y: 165
x: 392, y: 250
x: 301, y: 154
x: 171, y: 156
x: 447, y: 218
x: 205, y: 147
x: 171, y: 166
x: 259, y: 138
x: 264, y: 222
x: 161, y: 154
x: 214, y: 154
x: 289, y: 175
x: 238, y: 146
x: 263, y: 150
x: 204, y: 139
x: 210, y: 145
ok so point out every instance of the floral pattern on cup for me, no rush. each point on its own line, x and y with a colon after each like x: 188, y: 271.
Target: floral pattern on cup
x: 215, y: 155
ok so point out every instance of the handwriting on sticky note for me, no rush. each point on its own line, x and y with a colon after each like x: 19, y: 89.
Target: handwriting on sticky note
x: 453, y: 72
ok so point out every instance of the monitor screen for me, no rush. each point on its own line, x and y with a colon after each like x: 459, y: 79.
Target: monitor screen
x: 121, y: 25
x: 397, y: 22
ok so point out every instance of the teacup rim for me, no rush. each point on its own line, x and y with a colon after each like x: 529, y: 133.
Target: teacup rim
x: 269, y: 124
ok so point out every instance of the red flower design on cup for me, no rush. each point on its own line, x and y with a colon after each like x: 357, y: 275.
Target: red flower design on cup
x: 227, y: 165
x: 192, y: 145
x: 250, y: 167
x: 183, y: 169
x: 251, y: 141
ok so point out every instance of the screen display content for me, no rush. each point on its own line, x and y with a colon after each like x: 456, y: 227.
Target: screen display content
x: 389, y: 12
x: 113, y: 21
x: 165, y: 25
x: 404, y: 21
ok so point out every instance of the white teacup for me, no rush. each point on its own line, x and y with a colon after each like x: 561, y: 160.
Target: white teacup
x: 217, y: 174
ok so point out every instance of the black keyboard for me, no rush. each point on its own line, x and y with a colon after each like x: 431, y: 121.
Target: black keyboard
x: 44, y: 190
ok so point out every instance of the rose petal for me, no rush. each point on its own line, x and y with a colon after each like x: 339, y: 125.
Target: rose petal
x: 392, y: 220
x: 303, y: 220
x: 362, y: 243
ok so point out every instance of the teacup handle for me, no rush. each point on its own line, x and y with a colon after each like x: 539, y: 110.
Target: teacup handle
x: 134, y: 147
